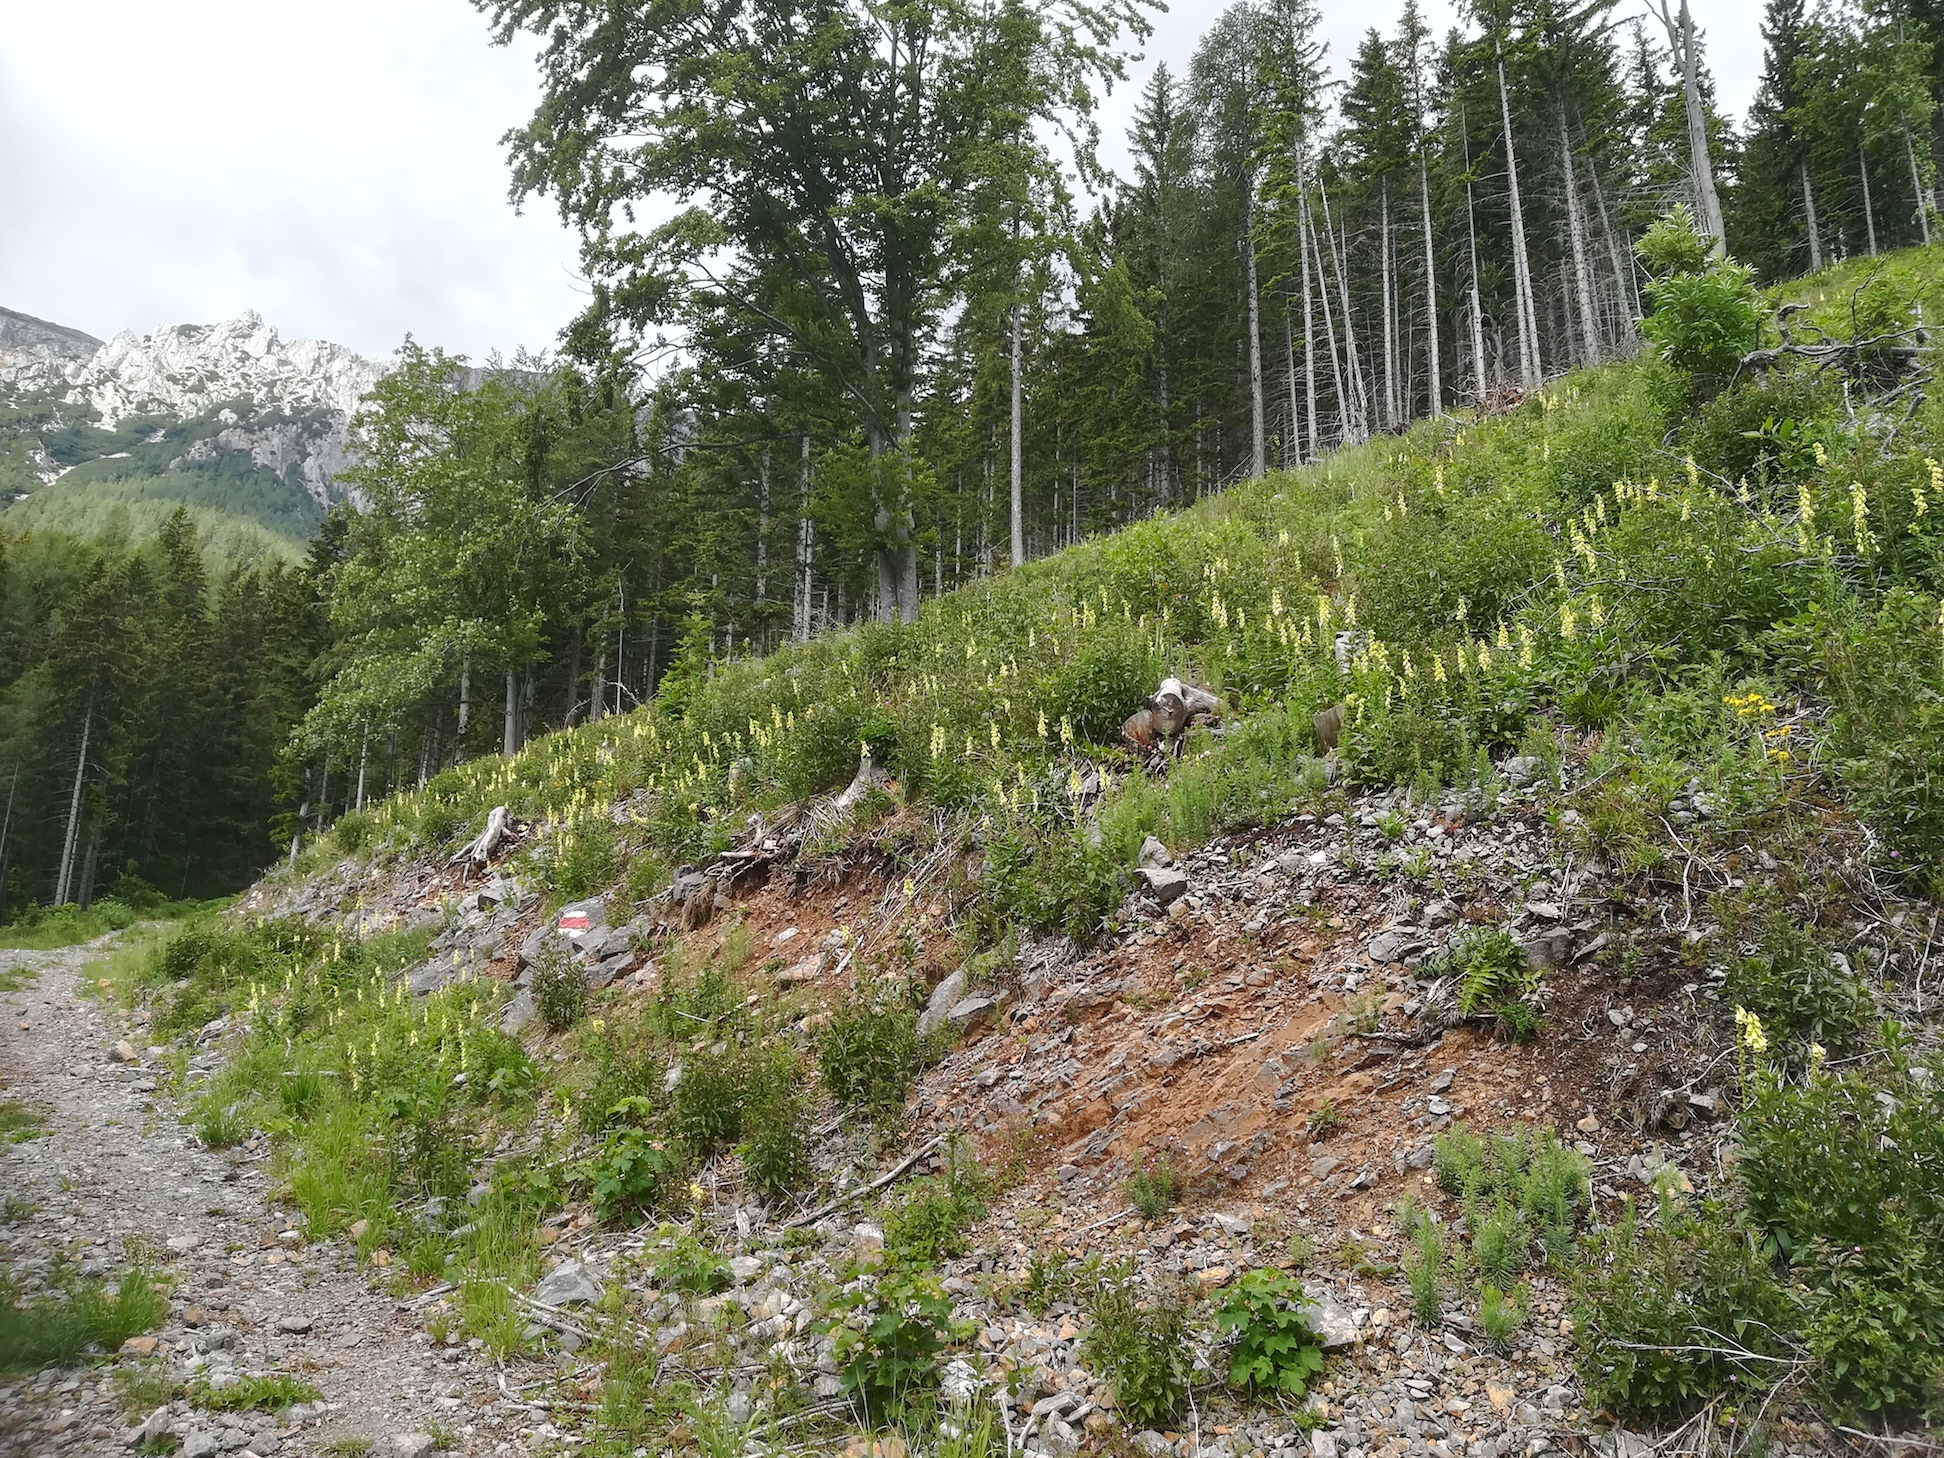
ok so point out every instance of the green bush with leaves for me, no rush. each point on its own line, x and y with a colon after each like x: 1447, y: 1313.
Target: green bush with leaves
x: 634, y: 1171
x: 1276, y: 1350
x: 559, y: 984
x: 1672, y: 1311
x: 776, y: 1122
x: 869, y: 1054
x: 1153, y: 1187
x: 935, y: 1215
x: 890, y: 1335
x: 1140, y: 1343
x: 691, y: 1267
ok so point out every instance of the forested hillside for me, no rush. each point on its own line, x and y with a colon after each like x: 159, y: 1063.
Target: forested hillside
x: 1282, y: 806
x: 767, y: 425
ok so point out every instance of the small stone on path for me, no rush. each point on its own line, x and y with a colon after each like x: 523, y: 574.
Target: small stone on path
x: 293, y: 1325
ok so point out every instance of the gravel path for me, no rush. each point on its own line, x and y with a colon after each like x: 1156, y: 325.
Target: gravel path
x: 116, y: 1166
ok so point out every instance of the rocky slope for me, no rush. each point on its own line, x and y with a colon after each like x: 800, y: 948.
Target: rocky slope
x: 1274, y: 1014
x: 227, y: 416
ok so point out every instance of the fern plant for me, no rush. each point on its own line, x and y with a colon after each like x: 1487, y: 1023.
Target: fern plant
x: 1495, y: 978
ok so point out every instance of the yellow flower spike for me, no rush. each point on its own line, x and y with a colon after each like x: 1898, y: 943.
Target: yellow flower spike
x: 1817, y: 1055
x: 1750, y: 1031
x: 1822, y: 456
x: 1504, y: 638
x: 1568, y: 625
x: 1282, y: 537
x: 1484, y: 656
x: 1464, y: 609
x: 1559, y: 573
x: 1322, y: 611
x: 993, y: 726
x: 1525, y: 646
x: 1437, y: 667
x: 1464, y: 663
x: 1066, y: 729
x: 1596, y: 612
x: 1653, y: 488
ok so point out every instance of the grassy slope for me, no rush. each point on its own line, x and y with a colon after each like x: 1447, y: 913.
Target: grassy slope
x: 1714, y: 604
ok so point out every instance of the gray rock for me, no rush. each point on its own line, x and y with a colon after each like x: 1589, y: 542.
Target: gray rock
x: 1323, y: 1444
x: 581, y: 921
x: 1151, y: 1442
x: 1321, y: 1166
x: 293, y: 1325
x: 744, y: 1269
x: 947, y: 995
x: 1167, y: 885
x: 1329, y: 1318
x: 973, y: 1012
x: 570, y: 1283
x: 1153, y: 853
x: 1393, y: 944
x: 234, y: 1439
x: 202, y: 1445
x: 517, y: 1013
x: 413, y: 1445
x: 1522, y: 769
x: 1443, y: 1081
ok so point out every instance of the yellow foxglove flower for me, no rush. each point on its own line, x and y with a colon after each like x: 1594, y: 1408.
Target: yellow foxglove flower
x: 1750, y: 1031
x: 1568, y: 625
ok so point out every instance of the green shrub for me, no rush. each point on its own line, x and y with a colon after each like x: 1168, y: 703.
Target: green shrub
x: 1276, y: 1350
x: 1706, y: 310
x: 889, y: 1337
x: 353, y: 831
x: 1102, y: 684
x: 775, y: 1123
x: 1141, y: 1346
x: 1424, y: 1271
x: 691, y: 1267
x: 932, y: 1220
x: 633, y: 1171
x: 1672, y: 1313
x: 1153, y: 1187
x: 868, y: 1055
x: 1792, y: 985
x: 1499, y: 1315
x: 707, y: 1106
x: 559, y: 985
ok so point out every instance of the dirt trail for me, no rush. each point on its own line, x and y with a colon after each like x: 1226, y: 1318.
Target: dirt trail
x: 116, y: 1166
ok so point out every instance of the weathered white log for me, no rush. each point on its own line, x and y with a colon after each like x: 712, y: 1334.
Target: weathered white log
x: 480, y: 849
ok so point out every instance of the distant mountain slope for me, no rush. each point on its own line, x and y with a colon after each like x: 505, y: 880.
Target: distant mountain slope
x: 229, y: 419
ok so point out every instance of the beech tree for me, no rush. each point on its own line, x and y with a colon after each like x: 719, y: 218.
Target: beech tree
x: 822, y: 155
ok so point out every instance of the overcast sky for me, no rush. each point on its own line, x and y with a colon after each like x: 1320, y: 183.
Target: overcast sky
x: 338, y: 168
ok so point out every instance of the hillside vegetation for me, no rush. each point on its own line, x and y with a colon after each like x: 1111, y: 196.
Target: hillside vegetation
x: 1700, y: 609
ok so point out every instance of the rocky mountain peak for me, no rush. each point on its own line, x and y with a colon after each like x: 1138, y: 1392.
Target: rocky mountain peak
x: 186, y: 370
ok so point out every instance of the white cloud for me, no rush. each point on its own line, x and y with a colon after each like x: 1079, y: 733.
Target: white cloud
x: 336, y: 168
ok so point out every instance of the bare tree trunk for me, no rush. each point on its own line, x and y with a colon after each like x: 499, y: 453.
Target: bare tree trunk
x: 6, y: 825
x: 1576, y: 228
x: 511, y: 737
x: 465, y: 693
x: 71, y: 838
x: 1258, y: 447
x: 1017, y: 464
x: 1292, y: 453
x: 1869, y: 211
x: 1384, y: 283
x: 762, y: 545
x: 1329, y: 331
x: 576, y: 645
x: 1707, y: 201
x: 1809, y: 212
x: 1360, y: 400
x: 597, y: 702
x: 800, y: 607
x: 1309, y: 320
x: 1430, y: 288
x: 364, y: 751
x: 84, y: 897
x: 1624, y: 278
x: 1529, y: 370
x: 1917, y: 188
